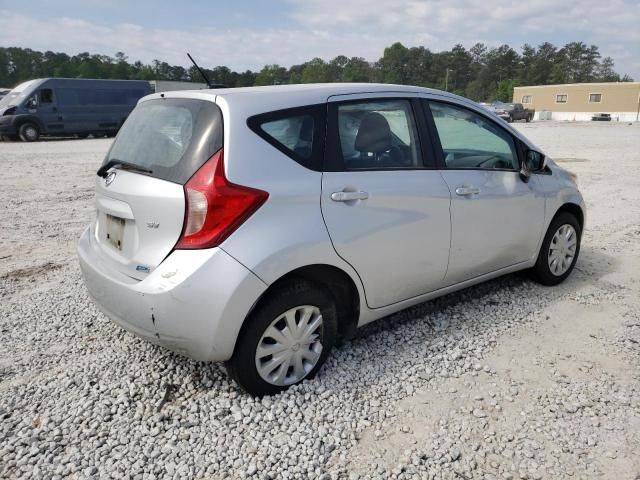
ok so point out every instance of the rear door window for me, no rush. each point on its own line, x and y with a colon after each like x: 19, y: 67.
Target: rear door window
x: 378, y: 134
x: 171, y: 137
x: 296, y: 132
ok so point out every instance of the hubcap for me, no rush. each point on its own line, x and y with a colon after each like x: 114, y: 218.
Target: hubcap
x: 562, y: 250
x: 290, y: 346
x: 30, y: 133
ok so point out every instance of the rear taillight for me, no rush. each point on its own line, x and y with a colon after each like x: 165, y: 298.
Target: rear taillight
x: 215, y: 207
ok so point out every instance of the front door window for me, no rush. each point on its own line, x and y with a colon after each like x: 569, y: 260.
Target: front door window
x: 471, y: 141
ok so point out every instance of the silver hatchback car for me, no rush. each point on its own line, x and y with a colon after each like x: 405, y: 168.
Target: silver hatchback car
x: 256, y: 225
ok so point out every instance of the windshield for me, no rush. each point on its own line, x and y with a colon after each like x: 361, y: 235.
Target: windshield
x: 11, y: 99
x: 171, y: 137
x: 15, y: 96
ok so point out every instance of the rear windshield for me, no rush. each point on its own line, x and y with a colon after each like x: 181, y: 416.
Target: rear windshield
x: 172, y: 137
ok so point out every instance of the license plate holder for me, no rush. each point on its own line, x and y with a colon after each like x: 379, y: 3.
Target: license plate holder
x: 115, y: 231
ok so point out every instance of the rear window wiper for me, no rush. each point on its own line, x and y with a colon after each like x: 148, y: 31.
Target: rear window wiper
x: 114, y: 162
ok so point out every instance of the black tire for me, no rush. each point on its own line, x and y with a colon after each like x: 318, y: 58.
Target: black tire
x: 527, y: 119
x: 242, y: 366
x: 29, y: 132
x: 82, y: 135
x: 541, y: 272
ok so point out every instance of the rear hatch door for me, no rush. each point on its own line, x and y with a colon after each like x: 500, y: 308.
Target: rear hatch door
x: 140, y: 193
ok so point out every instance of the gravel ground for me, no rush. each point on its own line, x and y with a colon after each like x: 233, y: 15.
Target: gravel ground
x: 504, y: 380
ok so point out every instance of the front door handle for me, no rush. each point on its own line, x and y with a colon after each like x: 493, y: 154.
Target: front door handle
x: 349, y: 196
x: 466, y: 191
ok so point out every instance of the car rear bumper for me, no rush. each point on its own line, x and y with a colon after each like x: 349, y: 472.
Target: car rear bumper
x: 193, y: 303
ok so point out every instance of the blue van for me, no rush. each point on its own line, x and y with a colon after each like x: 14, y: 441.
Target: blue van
x: 65, y: 106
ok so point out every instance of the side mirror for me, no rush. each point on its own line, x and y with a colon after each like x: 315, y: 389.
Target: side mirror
x: 533, y: 162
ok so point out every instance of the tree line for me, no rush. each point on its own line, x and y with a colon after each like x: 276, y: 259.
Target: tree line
x: 480, y: 73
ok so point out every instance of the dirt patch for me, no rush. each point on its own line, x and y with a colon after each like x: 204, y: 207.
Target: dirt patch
x: 29, y: 272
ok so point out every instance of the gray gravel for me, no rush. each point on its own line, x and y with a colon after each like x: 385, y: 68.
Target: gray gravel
x: 504, y: 380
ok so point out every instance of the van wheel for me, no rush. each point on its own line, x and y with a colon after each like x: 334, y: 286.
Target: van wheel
x: 285, y: 340
x: 82, y: 135
x: 29, y: 132
x: 559, y: 251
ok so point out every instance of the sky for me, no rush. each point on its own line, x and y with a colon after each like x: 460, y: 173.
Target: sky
x: 245, y: 34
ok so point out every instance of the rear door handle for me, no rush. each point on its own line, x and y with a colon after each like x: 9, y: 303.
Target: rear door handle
x: 466, y: 191
x: 349, y: 196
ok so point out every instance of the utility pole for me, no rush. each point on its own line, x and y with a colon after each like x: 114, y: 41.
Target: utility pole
x: 446, y: 79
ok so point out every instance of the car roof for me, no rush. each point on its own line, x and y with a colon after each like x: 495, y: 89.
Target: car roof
x: 273, y: 97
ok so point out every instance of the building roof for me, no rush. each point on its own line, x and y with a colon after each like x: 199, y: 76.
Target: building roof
x: 608, y: 84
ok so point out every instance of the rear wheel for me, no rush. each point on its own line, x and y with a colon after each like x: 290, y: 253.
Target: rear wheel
x: 559, y: 250
x: 285, y: 340
x: 29, y: 132
x: 82, y: 135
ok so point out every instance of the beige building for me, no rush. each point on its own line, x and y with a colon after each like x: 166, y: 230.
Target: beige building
x: 580, y: 101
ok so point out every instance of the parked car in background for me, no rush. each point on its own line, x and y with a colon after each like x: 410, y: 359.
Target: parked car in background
x: 500, y: 109
x: 513, y: 111
x: 256, y: 225
x: 601, y: 117
x: 62, y: 106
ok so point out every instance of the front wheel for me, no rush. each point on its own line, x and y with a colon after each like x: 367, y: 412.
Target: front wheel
x: 285, y: 340
x: 559, y: 251
x: 29, y: 132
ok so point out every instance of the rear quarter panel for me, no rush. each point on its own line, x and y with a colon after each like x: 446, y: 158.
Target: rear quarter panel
x: 288, y: 231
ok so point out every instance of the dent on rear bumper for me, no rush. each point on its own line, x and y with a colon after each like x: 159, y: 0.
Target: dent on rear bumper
x: 194, y: 303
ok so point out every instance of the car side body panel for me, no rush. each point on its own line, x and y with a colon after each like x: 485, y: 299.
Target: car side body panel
x: 495, y: 228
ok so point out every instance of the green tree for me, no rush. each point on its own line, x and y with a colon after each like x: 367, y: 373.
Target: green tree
x: 271, y: 75
x: 357, y: 69
x: 604, y: 71
x: 315, y: 71
x: 393, y: 64
x: 504, y: 91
